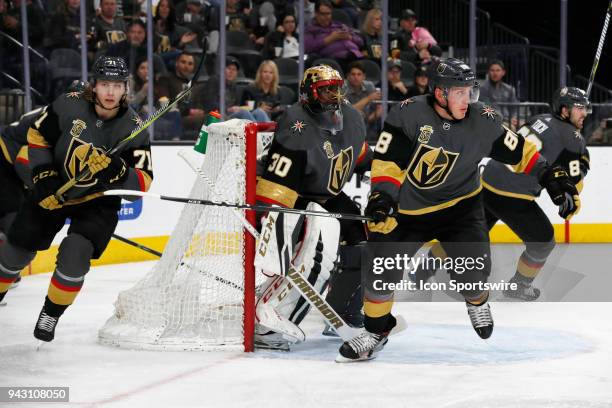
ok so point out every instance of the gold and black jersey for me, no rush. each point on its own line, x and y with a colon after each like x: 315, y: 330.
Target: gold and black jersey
x: 306, y: 161
x: 428, y: 163
x: 556, y: 139
x: 64, y: 131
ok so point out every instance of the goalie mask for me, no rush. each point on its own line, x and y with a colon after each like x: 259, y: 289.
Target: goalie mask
x: 321, y: 95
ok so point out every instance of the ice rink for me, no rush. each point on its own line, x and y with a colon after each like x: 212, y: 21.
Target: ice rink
x: 540, y: 355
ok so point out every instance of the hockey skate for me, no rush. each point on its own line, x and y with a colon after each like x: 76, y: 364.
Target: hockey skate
x: 524, y: 291
x: 271, y: 341
x: 363, y: 347
x: 45, y: 326
x: 481, y: 318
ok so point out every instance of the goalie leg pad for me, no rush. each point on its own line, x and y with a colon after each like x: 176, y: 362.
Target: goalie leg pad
x: 314, y: 254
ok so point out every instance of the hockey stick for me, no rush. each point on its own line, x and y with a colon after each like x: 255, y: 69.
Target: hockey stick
x: 262, y: 208
x: 602, y: 39
x: 137, y: 245
x: 59, y: 194
x: 159, y: 254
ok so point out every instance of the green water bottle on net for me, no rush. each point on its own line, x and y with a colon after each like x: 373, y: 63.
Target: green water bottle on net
x: 200, y: 146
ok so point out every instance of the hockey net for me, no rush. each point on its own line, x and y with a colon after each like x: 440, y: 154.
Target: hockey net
x: 201, y: 293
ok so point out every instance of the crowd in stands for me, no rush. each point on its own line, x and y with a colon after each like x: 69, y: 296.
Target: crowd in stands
x: 262, y: 52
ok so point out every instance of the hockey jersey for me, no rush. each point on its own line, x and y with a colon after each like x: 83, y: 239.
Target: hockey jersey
x: 62, y: 133
x: 306, y: 161
x: 14, y: 144
x: 557, y: 140
x: 427, y: 163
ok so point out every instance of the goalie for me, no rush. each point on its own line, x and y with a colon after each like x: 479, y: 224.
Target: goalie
x: 318, y: 145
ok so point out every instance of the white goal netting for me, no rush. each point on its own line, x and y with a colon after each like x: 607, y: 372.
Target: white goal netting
x: 193, y: 298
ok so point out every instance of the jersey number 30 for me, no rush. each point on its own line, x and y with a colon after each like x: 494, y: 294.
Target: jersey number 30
x: 280, y: 165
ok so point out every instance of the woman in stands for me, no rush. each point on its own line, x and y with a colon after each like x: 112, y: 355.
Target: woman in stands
x: 283, y: 43
x: 371, y: 32
x: 264, y: 93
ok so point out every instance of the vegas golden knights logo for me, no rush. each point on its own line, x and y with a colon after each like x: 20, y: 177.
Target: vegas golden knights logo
x: 430, y: 166
x: 78, y: 126
x: 340, y: 169
x: 425, y: 134
x: 76, y: 161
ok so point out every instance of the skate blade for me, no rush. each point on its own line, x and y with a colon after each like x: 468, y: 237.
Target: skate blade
x: 40, y: 345
x: 3, y: 303
x: 341, y: 359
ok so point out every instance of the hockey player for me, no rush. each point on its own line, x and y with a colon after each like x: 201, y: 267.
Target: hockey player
x: 511, y: 197
x: 318, y: 145
x: 68, y: 137
x: 14, y: 170
x: 425, y: 185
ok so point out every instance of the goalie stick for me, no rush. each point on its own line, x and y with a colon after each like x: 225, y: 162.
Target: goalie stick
x: 263, y: 208
x: 59, y: 194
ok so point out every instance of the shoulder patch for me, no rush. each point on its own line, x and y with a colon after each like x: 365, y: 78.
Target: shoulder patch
x: 298, y: 126
x: 488, y: 112
x: 74, y: 94
x: 406, y: 102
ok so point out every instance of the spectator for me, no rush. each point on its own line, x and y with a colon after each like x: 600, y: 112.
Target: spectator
x: 108, y: 29
x: 495, y: 90
x: 176, y: 82
x: 348, y: 7
x: 263, y: 94
x: 262, y: 21
x: 134, y: 47
x: 283, y: 43
x: 330, y: 39
x: 371, y: 33
x: 412, y: 43
x: 64, y: 27
x: 196, y: 17
x: 398, y: 90
x: 421, y: 83
x: 174, y: 37
x: 208, y: 94
x: 168, y: 126
x: 362, y: 94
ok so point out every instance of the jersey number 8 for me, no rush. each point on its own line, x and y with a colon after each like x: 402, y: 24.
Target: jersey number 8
x: 574, y: 168
x: 280, y: 165
x: 511, y: 140
x: 383, y: 142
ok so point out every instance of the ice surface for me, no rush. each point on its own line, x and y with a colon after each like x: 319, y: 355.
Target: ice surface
x: 540, y: 355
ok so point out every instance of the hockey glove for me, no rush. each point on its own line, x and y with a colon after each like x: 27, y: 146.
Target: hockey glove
x: 381, y: 209
x: 109, y: 170
x: 46, y: 180
x: 556, y: 181
x: 570, y: 206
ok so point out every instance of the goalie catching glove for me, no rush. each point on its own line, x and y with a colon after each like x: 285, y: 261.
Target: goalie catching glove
x: 381, y: 208
x: 109, y: 170
x: 561, y: 190
x: 46, y: 180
